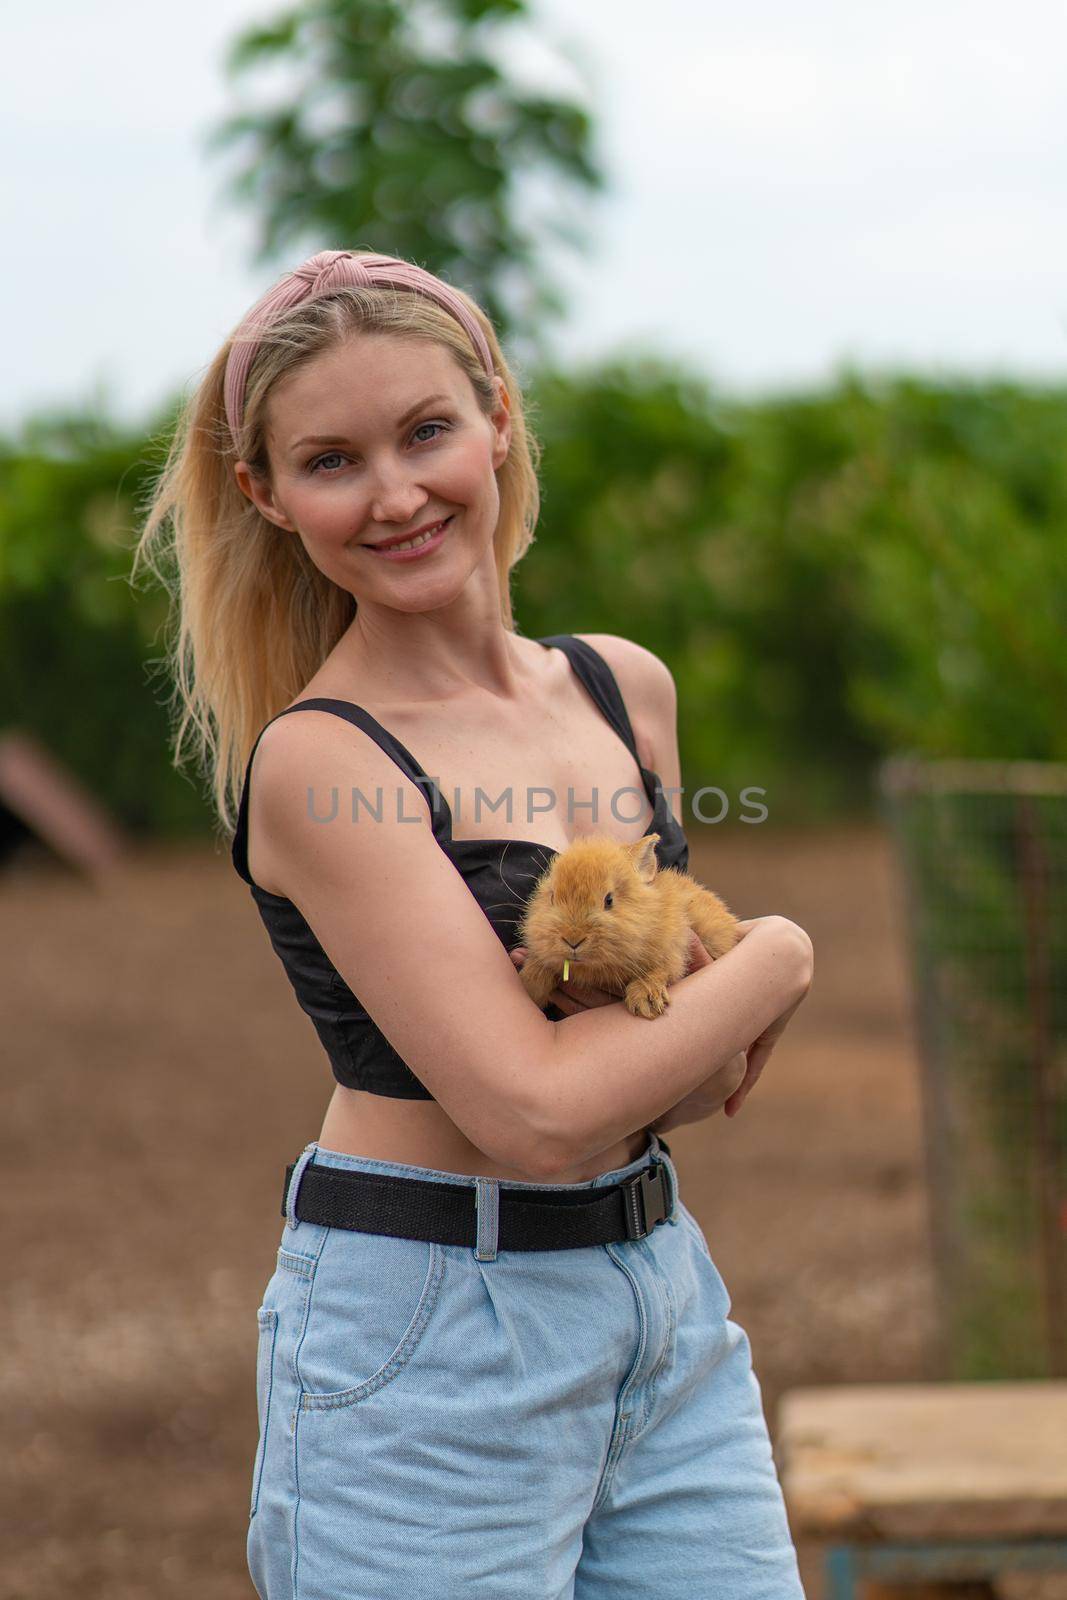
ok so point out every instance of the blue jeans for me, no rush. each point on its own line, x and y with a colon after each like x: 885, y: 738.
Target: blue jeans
x: 578, y: 1424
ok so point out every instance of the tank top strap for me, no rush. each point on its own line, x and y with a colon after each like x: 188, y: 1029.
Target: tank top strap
x: 440, y: 815
x: 598, y: 678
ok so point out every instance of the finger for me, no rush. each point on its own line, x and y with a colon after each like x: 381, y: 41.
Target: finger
x: 587, y: 994
x: 579, y: 984
x: 585, y: 998
x: 592, y: 997
x: 697, y: 954
x: 734, y: 1101
x: 733, y: 1105
x: 565, y: 1003
x: 758, y: 1057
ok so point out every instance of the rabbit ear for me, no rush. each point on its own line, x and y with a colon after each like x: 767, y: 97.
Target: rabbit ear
x: 644, y: 857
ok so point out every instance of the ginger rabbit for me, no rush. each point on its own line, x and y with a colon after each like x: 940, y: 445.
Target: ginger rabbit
x: 607, y: 910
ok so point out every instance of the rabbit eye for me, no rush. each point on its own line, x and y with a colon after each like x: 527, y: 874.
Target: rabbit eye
x: 609, y: 901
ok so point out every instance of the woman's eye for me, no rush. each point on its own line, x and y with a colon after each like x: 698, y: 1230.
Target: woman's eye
x: 322, y: 463
x: 430, y: 425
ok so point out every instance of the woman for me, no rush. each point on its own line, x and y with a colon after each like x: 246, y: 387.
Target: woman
x: 495, y: 1356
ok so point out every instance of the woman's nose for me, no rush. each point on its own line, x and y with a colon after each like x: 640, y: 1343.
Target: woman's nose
x: 394, y: 497
x: 396, y: 510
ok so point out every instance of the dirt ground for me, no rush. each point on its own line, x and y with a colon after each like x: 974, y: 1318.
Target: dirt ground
x: 160, y: 1075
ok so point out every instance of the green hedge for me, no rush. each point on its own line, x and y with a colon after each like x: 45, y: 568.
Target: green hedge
x: 875, y: 566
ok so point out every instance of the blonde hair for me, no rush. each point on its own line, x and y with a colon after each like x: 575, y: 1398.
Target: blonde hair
x: 251, y: 617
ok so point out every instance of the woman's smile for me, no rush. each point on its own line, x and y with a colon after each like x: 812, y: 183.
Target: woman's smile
x: 411, y: 550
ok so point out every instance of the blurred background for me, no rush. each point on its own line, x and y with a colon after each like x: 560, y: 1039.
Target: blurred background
x: 785, y: 288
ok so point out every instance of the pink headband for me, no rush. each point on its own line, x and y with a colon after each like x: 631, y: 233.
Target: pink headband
x: 318, y: 275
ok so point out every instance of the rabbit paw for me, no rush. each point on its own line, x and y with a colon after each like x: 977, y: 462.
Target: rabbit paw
x: 646, y: 998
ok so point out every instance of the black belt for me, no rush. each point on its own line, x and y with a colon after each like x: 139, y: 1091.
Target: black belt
x: 445, y: 1213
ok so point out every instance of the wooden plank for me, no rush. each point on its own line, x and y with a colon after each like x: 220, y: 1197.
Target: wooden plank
x: 56, y: 807
x: 925, y: 1461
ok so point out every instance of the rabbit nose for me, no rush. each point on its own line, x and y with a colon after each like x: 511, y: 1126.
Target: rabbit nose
x: 572, y: 944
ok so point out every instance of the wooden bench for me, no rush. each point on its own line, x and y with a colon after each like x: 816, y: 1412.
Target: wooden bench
x: 927, y: 1489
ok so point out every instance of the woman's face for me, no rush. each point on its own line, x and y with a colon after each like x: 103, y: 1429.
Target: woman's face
x: 375, y: 438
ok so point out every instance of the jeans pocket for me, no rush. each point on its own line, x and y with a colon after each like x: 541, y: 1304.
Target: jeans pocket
x: 268, y: 1333
x: 373, y: 1300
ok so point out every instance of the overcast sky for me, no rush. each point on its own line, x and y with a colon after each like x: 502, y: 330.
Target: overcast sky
x: 792, y: 186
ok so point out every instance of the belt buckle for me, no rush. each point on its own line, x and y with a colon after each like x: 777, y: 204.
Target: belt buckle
x: 644, y: 1200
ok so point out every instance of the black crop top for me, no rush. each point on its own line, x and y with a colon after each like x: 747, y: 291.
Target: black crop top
x: 498, y: 873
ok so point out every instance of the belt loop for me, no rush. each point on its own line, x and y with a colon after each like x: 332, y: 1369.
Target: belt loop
x: 661, y: 1153
x: 487, y: 1201
x: 294, y: 1184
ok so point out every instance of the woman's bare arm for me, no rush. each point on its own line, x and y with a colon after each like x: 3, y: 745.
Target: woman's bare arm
x: 651, y: 697
x: 398, y: 923
x: 611, y: 1072
x: 725, y: 1088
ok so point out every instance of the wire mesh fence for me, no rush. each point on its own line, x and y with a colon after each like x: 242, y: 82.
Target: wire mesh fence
x: 982, y: 848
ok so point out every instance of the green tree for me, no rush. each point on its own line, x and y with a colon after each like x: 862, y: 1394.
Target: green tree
x: 873, y: 567
x: 80, y: 649
x: 399, y: 133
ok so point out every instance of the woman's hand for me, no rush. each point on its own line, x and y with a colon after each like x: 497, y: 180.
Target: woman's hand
x: 577, y: 997
x: 757, y: 1055
x: 729, y: 1086
x: 706, y: 1099
x: 711, y: 1095
x: 574, y: 997
x: 703, y: 1101
x: 759, y: 1051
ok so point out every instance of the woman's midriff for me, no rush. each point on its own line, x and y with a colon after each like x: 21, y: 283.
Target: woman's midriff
x: 418, y: 1133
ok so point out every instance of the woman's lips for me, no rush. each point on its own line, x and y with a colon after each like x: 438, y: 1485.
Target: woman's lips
x: 425, y: 549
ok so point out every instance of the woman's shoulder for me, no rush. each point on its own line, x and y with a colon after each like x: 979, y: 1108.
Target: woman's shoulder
x: 646, y: 685
x: 640, y: 667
